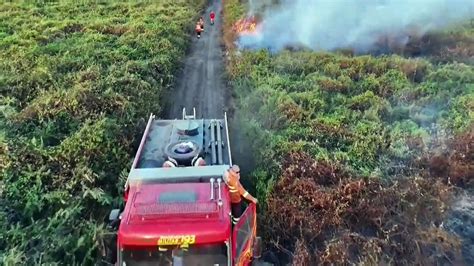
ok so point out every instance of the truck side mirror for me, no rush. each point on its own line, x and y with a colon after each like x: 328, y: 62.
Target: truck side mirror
x: 257, y: 247
x: 114, y: 215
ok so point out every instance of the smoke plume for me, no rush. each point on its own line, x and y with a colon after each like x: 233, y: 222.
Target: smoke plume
x: 351, y: 24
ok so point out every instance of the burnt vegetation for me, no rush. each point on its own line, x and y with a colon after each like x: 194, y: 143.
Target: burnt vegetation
x: 360, y: 157
x: 317, y: 214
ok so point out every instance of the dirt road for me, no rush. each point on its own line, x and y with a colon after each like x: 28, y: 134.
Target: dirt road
x: 201, y: 83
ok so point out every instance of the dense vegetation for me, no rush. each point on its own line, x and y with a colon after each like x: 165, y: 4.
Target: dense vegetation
x: 77, y: 79
x: 357, y: 155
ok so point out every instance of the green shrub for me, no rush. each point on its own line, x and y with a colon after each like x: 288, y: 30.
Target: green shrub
x: 346, y: 108
x: 77, y: 82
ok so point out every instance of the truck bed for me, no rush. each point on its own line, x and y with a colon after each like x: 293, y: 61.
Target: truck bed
x: 210, y: 134
x: 163, y: 132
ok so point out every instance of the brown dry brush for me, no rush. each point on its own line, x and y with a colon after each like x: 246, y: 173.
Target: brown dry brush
x: 454, y: 162
x: 322, y: 214
x: 443, y: 47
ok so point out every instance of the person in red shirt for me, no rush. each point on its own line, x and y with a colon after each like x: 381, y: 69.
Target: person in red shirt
x: 212, y: 16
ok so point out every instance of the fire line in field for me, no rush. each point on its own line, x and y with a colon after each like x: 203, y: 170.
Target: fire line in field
x: 247, y: 26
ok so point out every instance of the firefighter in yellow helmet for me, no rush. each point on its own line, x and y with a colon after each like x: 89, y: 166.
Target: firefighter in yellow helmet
x: 237, y: 191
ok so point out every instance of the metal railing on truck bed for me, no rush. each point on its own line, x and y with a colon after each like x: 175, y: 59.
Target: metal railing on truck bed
x: 180, y: 140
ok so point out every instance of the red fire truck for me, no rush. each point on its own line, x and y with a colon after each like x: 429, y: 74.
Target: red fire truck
x: 181, y: 215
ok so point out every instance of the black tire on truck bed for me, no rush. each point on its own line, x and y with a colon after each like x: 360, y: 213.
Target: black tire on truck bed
x: 183, y: 158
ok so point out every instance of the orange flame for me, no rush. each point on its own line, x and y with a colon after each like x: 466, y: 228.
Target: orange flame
x: 246, y: 26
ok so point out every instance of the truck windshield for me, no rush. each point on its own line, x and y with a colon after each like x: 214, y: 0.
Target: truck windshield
x: 215, y: 254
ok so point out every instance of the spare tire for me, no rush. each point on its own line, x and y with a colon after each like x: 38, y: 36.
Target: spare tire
x: 183, y: 151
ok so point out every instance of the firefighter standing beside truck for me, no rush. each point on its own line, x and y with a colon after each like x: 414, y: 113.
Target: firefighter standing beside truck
x: 232, y: 180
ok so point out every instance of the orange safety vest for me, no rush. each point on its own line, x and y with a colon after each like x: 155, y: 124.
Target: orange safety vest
x: 235, y: 188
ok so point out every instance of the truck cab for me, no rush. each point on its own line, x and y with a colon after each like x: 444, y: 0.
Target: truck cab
x: 179, y: 213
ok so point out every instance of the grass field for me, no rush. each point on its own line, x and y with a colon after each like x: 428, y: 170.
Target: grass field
x: 350, y: 143
x: 77, y: 79
x: 358, y: 155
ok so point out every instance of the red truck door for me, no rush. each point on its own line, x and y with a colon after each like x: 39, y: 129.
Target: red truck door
x: 244, y: 235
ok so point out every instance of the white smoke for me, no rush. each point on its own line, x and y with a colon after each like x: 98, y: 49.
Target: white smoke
x: 258, y: 5
x: 354, y: 24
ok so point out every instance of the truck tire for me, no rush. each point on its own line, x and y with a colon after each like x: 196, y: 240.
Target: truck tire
x: 271, y: 258
x: 110, y: 250
x: 268, y: 259
x: 183, y: 151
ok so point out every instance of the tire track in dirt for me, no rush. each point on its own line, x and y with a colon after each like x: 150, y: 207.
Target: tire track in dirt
x: 201, y: 82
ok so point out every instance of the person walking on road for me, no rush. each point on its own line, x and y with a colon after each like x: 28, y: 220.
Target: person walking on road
x: 198, y: 30
x: 232, y: 180
x: 201, y: 22
x: 212, y: 16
